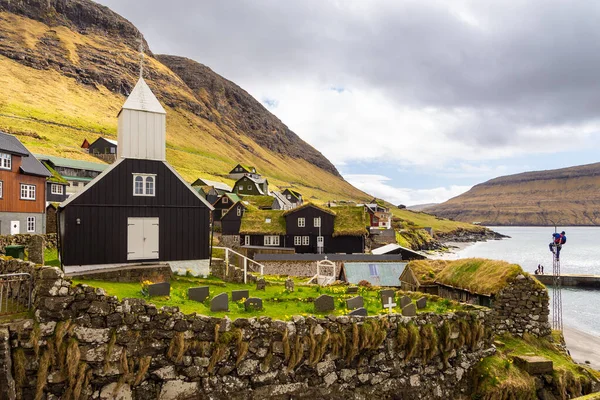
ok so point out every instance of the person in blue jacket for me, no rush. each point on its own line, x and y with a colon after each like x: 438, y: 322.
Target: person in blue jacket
x: 558, y: 239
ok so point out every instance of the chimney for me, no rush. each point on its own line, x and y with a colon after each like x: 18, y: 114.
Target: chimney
x: 142, y: 125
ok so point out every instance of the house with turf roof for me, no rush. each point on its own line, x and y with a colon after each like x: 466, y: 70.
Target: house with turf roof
x: 240, y: 171
x: 281, y: 202
x: 77, y: 173
x: 220, y: 187
x: 56, y: 186
x: 261, y: 202
x: 223, y: 204
x: 103, y: 146
x: 294, y: 197
x: 231, y: 220
x: 263, y: 228
x: 139, y: 209
x: 250, y: 186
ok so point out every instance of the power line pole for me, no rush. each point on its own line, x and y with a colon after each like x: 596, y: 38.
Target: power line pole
x: 557, y: 322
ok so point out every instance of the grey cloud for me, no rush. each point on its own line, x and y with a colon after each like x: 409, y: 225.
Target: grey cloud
x: 515, y: 63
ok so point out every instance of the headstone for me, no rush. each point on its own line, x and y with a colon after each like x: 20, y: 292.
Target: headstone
x: 386, y: 294
x: 237, y: 295
x: 324, y: 303
x: 410, y: 310
x: 36, y: 249
x: 289, y: 284
x: 352, y: 289
x: 389, y: 305
x: 355, y: 302
x: 421, y: 303
x: 198, y: 293
x: 261, y: 284
x: 361, y: 312
x: 159, y: 289
x: 404, y: 301
x: 253, y: 303
x: 219, y: 303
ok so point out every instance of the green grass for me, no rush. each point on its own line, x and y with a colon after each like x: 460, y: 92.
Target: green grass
x: 263, y: 222
x: 51, y: 258
x: 350, y: 221
x: 277, y: 302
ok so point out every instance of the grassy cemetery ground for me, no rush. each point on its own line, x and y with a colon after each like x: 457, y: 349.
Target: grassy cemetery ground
x: 277, y: 302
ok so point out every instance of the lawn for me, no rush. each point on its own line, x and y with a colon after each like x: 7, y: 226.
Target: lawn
x: 277, y: 302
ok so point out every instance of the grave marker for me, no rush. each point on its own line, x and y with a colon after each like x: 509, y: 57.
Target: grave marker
x: 253, y: 303
x: 237, y: 295
x: 289, y: 284
x: 410, y: 310
x: 324, y: 303
x: 404, y: 301
x: 219, y: 303
x: 352, y: 289
x: 200, y: 293
x: 159, y: 289
x: 361, y: 312
x: 355, y: 302
x: 390, y: 305
x: 261, y: 284
x: 386, y: 294
x: 421, y: 303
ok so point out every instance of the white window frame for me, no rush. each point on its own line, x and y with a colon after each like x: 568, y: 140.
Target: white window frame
x: 27, y: 191
x: 5, y: 161
x: 271, y: 240
x: 55, y: 188
x: 239, y: 211
x: 247, y: 240
x: 30, y: 224
x: 305, y: 240
x: 223, y: 212
x: 241, y: 187
x: 320, y: 241
x: 317, y: 222
x: 301, y: 222
x: 249, y: 187
x: 1, y: 189
x: 297, y: 240
x: 145, y: 190
x: 225, y: 200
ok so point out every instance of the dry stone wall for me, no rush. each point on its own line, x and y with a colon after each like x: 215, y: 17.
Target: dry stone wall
x: 85, y: 343
x: 25, y: 240
x: 522, y: 306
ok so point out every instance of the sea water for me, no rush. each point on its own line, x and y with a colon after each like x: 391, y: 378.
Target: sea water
x: 528, y: 247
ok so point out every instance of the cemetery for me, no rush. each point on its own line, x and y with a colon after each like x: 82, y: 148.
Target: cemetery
x: 278, y: 297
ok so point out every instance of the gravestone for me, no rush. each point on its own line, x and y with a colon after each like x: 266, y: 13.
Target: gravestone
x: 198, y: 293
x: 421, y: 303
x: 289, y: 284
x: 219, y: 303
x: 355, y: 302
x: 159, y: 289
x: 361, y: 312
x: 404, y: 301
x: 352, y: 289
x: 410, y: 310
x: 36, y: 249
x: 253, y: 303
x: 386, y: 294
x: 237, y: 295
x: 324, y: 303
x: 261, y: 284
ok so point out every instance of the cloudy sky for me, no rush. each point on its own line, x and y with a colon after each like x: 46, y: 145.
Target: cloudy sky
x: 413, y: 101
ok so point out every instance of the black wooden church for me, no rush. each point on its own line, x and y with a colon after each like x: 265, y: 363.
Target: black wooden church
x: 139, y: 209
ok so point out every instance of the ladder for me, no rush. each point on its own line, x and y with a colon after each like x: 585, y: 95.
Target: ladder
x: 557, y: 322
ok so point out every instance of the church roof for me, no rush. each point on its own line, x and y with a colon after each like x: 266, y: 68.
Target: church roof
x: 142, y: 99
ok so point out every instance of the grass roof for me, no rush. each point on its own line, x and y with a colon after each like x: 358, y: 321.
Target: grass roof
x: 254, y: 222
x: 55, y: 176
x: 426, y: 271
x: 350, y: 221
x: 479, y: 275
x: 305, y: 205
x: 260, y: 201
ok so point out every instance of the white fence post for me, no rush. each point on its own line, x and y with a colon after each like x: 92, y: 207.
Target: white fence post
x: 226, y: 262
x: 245, y: 268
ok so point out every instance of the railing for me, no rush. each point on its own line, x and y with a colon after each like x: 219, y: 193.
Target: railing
x: 324, y: 279
x: 15, y: 293
x: 244, y: 258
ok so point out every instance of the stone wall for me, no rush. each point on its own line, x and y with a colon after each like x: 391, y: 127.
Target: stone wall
x: 85, y: 343
x: 522, y: 306
x: 231, y: 274
x: 295, y: 268
x: 130, y: 273
x: 25, y: 240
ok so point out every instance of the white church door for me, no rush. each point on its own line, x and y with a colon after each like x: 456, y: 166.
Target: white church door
x: 142, y: 238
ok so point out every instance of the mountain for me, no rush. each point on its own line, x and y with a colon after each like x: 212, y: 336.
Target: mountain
x: 567, y: 196
x: 421, y: 207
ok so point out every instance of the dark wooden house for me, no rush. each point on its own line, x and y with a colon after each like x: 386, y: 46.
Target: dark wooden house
x: 250, y: 186
x: 263, y: 228
x: 231, y: 220
x: 103, y: 146
x: 139, y: 209
x: 223, y: 204
x: 77, y: 173
x: 56, y: 186
x: 240, y: 171
x: 294, y: 197
x: 22, y: 189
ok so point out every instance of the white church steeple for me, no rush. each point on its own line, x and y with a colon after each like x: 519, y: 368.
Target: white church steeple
x: 142, y: 123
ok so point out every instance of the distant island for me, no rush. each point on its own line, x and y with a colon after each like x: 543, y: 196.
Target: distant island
x: 566, y: 196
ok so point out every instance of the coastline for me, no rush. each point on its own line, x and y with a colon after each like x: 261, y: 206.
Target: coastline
x: 583, y: 347
x: 452, y: 253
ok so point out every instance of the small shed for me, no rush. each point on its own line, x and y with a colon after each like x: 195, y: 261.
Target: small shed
x: 377, y: 274
x: 103, y: 146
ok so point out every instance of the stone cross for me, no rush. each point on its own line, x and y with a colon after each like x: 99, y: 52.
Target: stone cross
x: 389, y: 305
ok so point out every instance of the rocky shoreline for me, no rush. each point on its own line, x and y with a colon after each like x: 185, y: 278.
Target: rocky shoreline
x: 466, y: 236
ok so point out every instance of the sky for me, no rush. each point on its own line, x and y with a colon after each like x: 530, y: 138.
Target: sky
x: 413, y: 101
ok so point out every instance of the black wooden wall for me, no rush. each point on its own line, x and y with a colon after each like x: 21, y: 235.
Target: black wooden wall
x: 103, y: 209
x: 309, y: 213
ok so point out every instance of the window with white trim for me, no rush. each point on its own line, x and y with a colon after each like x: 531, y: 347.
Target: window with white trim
x: 320, y: 241
x: 271, y: 240
x: 225, y: 199
x: 297, y: 240
x: 30, y: 224
x: 27, y: 192
x: 223, y: 212
x: 317, y: 222
x: 247, y: 240
x: 1, y: 189
x: 56, y: 188
x: 301, y: 222
x: 5, y: 161
x: 289, y: 197
x: 305, y: 240
x: 249, y: 187
x: 239, y: 211
x: 241, y: 187
x: 144, y: 184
